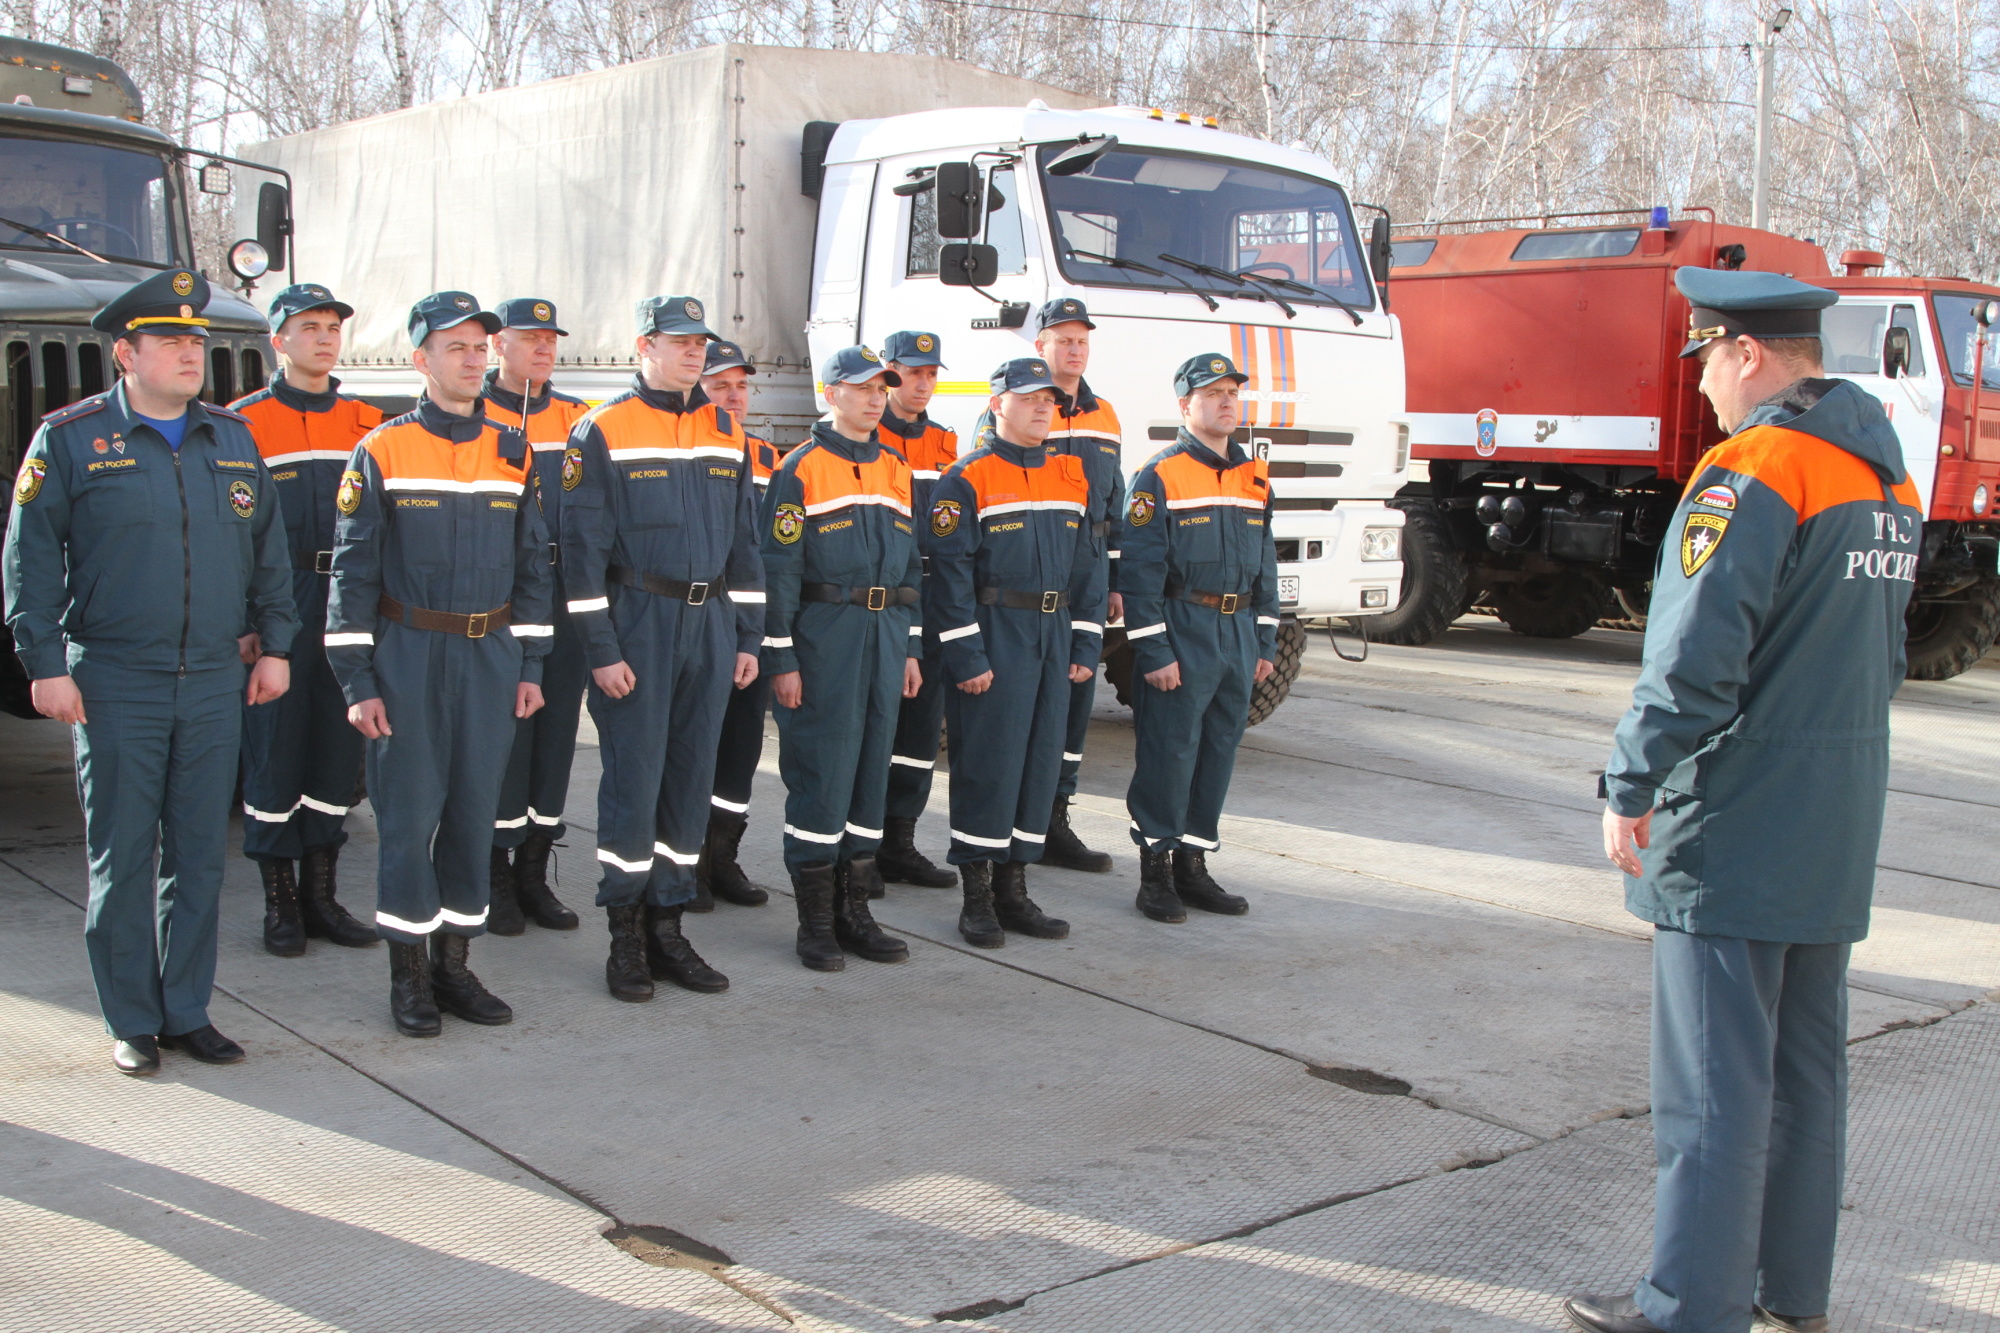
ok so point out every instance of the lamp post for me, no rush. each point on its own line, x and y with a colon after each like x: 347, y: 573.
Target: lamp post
x: 1767, y: 82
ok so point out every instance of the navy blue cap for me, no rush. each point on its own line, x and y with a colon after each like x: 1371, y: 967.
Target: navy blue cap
x: 447, y: 310
x: 1024, y: 374
x: 726, y: 356
x: 672, y: 314
x: 857, y: 365
x: 1198, y: 371
x: 168, y: 303
x: 912, y: 348
x: 1062, y: 310
x: 301, y: 297
x: 528, y: 312
x: 1736, y: 304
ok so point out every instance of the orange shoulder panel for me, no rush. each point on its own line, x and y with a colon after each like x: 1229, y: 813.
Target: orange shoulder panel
x: 1810, y: 474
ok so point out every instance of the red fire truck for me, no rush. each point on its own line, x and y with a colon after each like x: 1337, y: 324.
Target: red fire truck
x: 1557, y: 426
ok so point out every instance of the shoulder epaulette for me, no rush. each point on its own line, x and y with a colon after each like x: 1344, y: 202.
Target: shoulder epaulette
x: 229, y: 412
x: 75, y: 410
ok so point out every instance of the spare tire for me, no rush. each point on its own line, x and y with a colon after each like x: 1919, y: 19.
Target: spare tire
x: 1434, y: 580
x: 1947, y: 637
x: 1553, y: 606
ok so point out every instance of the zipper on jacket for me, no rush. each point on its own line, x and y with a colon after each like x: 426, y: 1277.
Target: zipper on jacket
x: 187, y: 563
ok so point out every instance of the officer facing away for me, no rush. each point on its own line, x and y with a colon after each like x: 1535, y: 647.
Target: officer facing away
x: 915, y: 357
x: 841, y: 644
x: 301, y: 761
x: 1745, y: 797
x: 145, y: 537
x: 660, y: 555
x: 1200, y: 576
x: 530, y: 820
x: 436, y: 627
x: 1006, y: 545
x: 725, y: 380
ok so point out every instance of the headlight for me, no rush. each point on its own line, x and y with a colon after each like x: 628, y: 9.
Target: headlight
x: 1381, y: 543
x: 1979, y: 499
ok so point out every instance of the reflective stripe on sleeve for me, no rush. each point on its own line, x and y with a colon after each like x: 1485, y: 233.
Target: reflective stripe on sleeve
x: 777, y: 643
x: 583, y: 604
x: 533, y: 631
x: 1160, y: 628
x: 1087, y: 626
x: 959, y: 633
x: 748, y: 596
x: 349, y: 640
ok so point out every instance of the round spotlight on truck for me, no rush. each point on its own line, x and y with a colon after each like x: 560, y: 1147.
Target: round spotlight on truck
x: 1500, y: 537
x: 1513, y: 512
x: 249, y: 260
x: 1487, y: 510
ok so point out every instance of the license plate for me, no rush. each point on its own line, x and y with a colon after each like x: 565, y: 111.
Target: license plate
x: 1288, y: 589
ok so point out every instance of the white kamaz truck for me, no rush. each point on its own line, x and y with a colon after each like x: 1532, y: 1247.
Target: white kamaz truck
x: 816, y: 199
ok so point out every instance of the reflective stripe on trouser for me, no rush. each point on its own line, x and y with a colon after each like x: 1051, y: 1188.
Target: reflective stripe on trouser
x: 435, y: 782
x: 741, y: 747
x: 537, y: 785
x: 833, y: 749
x: 155, y: 767
x: 1185, y: 742
x: 658, y: 746
x: 301, y: 760
x: 1082, y: 699
x: 1749, y: 1125
x: 914, y: 759
x: 1006, y: 744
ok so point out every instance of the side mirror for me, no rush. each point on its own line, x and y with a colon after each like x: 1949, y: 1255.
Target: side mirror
x: 1380, y: 252
x: 963, y: 265
x: 274, y: 221
x: 1896, y: 353
x: 959, y: 214
x: 1078, y: 158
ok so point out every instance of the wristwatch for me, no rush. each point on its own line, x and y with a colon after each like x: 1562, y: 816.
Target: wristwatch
x: 282, y: 657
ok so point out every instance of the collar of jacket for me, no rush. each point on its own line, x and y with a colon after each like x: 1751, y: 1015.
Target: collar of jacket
x: 124, y: 420
x: 301, y: 401
x: 1083, y: 401
x: 668, y: 400
x: 1839, y: 412
x: 450, y: 425
x: 909, y: 430
x: 511, y: 401
x: 854, y: 451
x: 1208, y: 457
x: 1017, y: 454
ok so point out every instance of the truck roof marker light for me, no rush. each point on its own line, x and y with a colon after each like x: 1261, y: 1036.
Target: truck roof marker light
x: 1212, y: 122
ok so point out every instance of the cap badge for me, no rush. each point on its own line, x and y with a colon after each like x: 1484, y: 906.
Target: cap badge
x: 462, y: 302
x: 867, y: 355
x: 1069, y: 307
x: 318, y: 292
x: 1039, y: 369
x: 543, y: 313
x: 693, y: 309
x: 183, y: 284
x: 187, y: 312
x: 1218, y: 366
x: 925, y: 342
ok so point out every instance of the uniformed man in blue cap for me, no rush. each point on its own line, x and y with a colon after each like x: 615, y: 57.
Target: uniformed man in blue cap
x: 301, y: 760
x: 530, y: 820
x: 1200, y: 576
x: 437, y: 625
x: 1745, y: 796
x: 659, y: 555
x: 144, y: 541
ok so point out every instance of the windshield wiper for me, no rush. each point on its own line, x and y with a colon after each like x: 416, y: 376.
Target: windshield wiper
x: 1209, y: 270
x: 51, y: 236
x: 1304, y: 290
x: 1115, y: 262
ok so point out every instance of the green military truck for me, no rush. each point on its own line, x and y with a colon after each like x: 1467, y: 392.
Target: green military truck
x: 92, y: 199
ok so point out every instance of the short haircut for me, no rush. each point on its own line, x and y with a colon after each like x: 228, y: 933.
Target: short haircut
x: 1807, y: 353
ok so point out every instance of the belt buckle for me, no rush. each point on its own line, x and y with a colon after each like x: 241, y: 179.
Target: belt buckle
x: 322, y: 562
x: 1230, y: 600
x: 697, y: 593
x: 555, y: 554
x: 878, y: 599
x: 475, y: 624
x: 1050, y: 603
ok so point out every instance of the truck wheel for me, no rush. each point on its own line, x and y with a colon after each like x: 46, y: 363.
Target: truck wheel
x: 1265, y: 698
x: 1946, y: 638
x: 1434, y: 579
x: 1118, y: 670
x: 1557, y: 606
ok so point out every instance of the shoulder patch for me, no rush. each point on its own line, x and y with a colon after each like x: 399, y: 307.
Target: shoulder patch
x: 944, y: 518
x: 1700, y: 536
x: 348, y: 498
x: 1717, y: 497
x: 788, y: 524
x: 29, y: 484
x: 572, y: 468
x: 1141, y: 511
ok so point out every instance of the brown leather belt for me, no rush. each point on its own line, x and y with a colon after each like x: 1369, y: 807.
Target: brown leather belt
x: 875, y: 599
x: 472, y: 626
x: 1225, y: 602
x: 1044, y: 602
x: 694, y: 594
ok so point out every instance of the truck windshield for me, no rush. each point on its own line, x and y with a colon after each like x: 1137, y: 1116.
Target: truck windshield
x: 114, y: 202
x: 1137, y: 205
x: 1957, y: 330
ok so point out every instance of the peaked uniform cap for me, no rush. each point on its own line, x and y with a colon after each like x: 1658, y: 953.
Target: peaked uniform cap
x: 726, y: 356
x: 1198, y: 371
x: 301, y: 297
x: 1024, y: 374
x: 1063, y: 310
x: 529, y: 312
x: 167, y: 303
x: 447, y: 310
x: 912, y: 347
x: 857, y: 365
x: 673, y: 314
x: 1735, y: 304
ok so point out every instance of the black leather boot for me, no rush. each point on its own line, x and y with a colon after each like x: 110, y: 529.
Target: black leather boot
x: 1196, y: 889
x: 902, y: 863
x: 1157, y: 898
x: 625, y: 971
x: 812, y: 886
x: 1016, y: 911
x: 324, y: 917
x: 671, y: 958
x: 976, y: 920
x: 538, y: 903
x: 704, y: 892
x: 503, y: 908
x: 853, y: 924
x: 1066, y: 850
x: 284, y: 929
x: 725, y: 879
x: 411, y: 1002
x: 456, y: 990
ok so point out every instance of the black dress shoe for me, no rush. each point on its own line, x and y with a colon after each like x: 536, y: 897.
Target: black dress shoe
x: 204, y: 1044
x: 136, y: 1055
x: 1608, y: 1314
x: 1791, y: 1323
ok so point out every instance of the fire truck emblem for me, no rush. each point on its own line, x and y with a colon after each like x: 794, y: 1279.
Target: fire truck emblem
x: 242, y: 499
x: 348, y: 498
x: 788, y: 524
x: 944, y: 518
x: 183, y: 284
x: 1488, y: 425
x: 572, y: 468
x: 1718, y: 497
x: 1699, y: 538
x: 1141, y: 512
